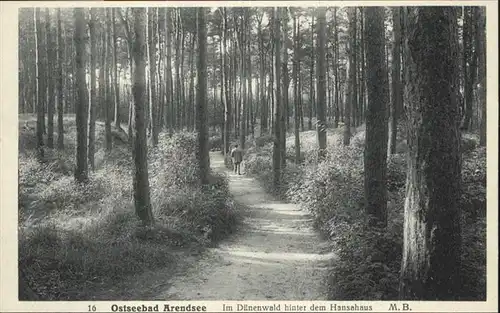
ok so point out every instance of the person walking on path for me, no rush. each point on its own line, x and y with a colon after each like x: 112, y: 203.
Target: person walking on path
x: 237, y: 157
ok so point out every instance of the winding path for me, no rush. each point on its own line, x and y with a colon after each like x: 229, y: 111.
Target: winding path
x: 274, y: 255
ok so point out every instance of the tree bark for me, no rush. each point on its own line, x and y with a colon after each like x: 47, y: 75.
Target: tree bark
x: 107, y: 84
x: 296, y: 115
x: 353, y: 25
x: 397, y: 95
x: 39, y: 84
x: 81, y: 170
x: 201, y: 112
x: 432, y: 234
x: 227, y: 102
x: 336, y: 69
x: 284, y: 116
x: 481, y: 57
x: 116, y: 84
x: 312, y: 97
x: 153, y: 100
x: 60, y: 86
x: 140, y: 152
x: 375, y: 157
x: 469, y: 63
x: 263, y: 102
x: 277, y: 97
x: 93, y: 95
x: 50, y: 81
x: 320, y: 106
x: 169, y: 79
x: 350, y: 85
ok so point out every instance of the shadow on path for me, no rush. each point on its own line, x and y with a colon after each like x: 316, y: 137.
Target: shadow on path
x: 274, y: 255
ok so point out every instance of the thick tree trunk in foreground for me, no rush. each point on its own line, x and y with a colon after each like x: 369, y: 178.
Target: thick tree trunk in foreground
x: 201, y: 95
x: 140, y: 151
x: 81, y: 170
x: 432, y: 241
x: 375, y: 158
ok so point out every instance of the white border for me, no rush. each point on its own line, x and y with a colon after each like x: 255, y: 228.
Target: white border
x: 9, y: 161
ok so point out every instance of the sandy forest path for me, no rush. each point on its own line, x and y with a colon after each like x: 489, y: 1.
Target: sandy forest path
x: 274, y: 255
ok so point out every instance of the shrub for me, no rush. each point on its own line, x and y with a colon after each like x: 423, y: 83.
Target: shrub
x: 369, y: 260
x: 215, y: 143
x: 92, y: 237
x: 264, y: 140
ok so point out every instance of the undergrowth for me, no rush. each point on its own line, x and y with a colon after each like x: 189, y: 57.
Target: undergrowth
x: 75, y: 239
x: 369, y: 260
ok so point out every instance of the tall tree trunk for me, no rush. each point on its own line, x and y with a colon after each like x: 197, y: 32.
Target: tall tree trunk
x: 227, y: 102
x: 285, y: 75
x: 201, y: 112
x: 432, y: 235
x: 397, y: 95
x: 469, y: 62
x: 243, y: 86
x: 140, y: 152
x: 191, y: 102
x: 350, y: 85
x: 39, y: 84
x: 375, y: 157
x: 160, y: 71
x: 284, y: 116
x: 153, y: 100
x: 271, y: 92
x: 296, y: 115
x: 277, y: 97
x: 81, y: 169
x: 185, y: 105
x: 336, y: 69
x: 169, y: 80
x: 107, y: 84
x: 50, y: 81
x: 362, y: 80
x: 116, y: 84
x: 320, y: 110
x: 177, y: 71
x: 93, y: 95
x: 312, y: 97
x: 249, y: 82
x: 60, y: 86
x: 481, y: 57
x: 354, y: 74
x: 263, y: 102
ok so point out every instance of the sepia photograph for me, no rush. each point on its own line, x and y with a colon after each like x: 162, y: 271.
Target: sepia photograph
x: 264, y: 153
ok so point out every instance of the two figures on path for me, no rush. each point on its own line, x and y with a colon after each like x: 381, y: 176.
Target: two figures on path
x: 237, y: 158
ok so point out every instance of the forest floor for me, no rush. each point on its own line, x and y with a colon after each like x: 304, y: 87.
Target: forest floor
x: 275, y: 254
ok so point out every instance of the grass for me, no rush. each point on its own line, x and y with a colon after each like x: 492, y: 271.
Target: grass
x: 369, y: 261
x: 76, y: 241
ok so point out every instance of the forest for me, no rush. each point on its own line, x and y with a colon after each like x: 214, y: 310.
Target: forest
x: 370, y: 119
